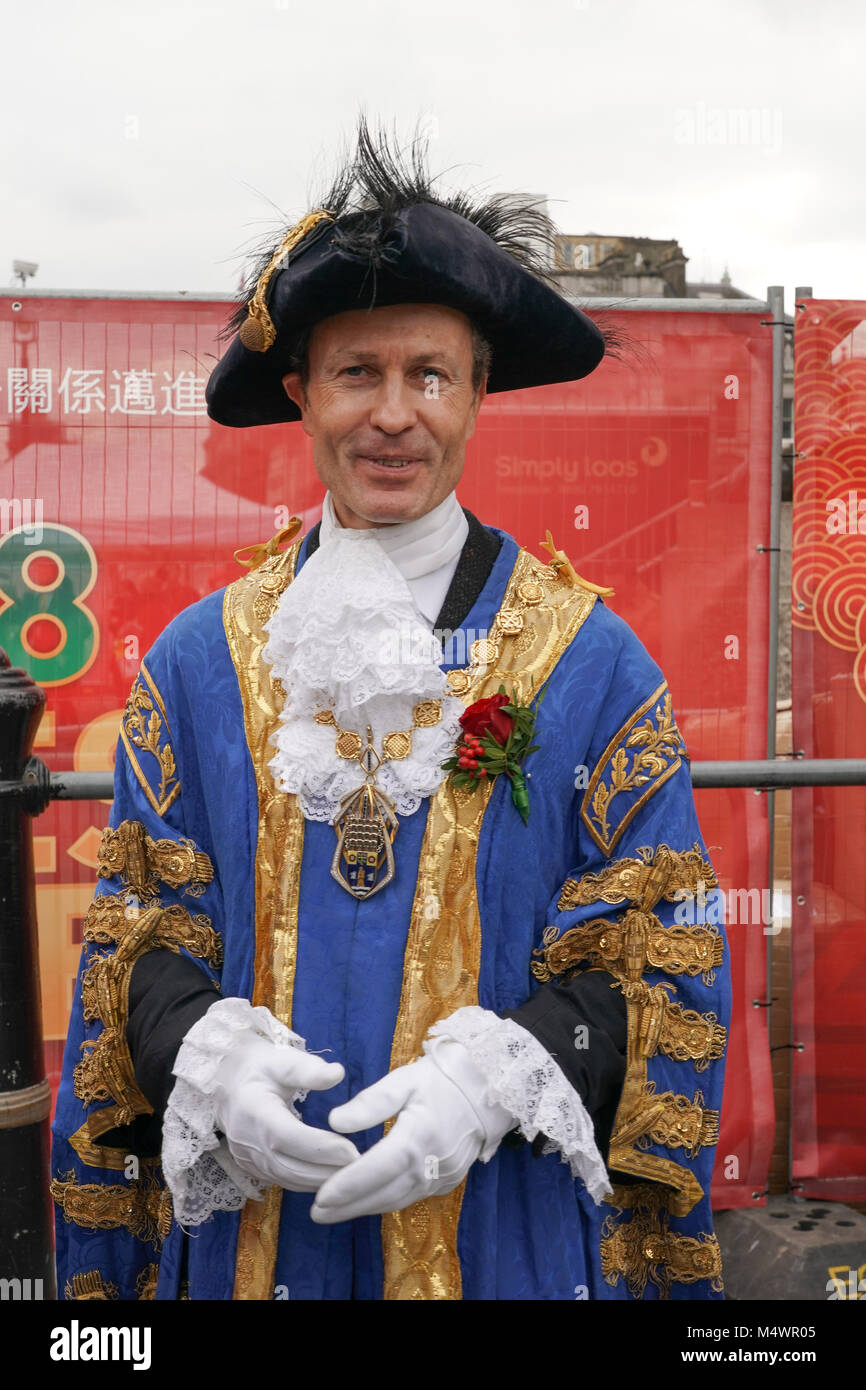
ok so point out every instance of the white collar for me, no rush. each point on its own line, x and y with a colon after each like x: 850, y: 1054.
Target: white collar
x: 418, y: 547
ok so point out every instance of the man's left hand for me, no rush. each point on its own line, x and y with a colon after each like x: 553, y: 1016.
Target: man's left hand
x: 437, y: 1136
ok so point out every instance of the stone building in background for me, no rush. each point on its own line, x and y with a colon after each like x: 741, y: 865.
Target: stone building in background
x: 591, y: 265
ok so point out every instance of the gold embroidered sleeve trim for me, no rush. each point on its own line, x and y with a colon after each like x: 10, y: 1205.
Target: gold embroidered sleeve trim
x: 684, y: 1035
x: 670, y: 1120
x: 640, y: 754
x: 109, y: 922
x: 105, y: 1072
x: 637, y: 940
x: 644, y: 1250
x: 628, y: 947
x: 143, y: 863
x: 657, y: 874
x: 141, y: 1208
x: 90, y: 1287
x: 144, y: 730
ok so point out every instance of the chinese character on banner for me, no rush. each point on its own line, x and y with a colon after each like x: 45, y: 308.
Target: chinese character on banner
x: 81, y: 388
x: 132, y: 393
x: 29, y: 389
x: 184, y: 394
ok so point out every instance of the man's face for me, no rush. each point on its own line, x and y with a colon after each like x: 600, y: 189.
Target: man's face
x: 389, y: 406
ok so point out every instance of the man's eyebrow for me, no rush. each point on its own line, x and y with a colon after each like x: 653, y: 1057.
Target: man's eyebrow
x: 357, y: 356
x: 348, y: 355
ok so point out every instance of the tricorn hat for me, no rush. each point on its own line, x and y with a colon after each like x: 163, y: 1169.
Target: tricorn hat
x: 382, y: 236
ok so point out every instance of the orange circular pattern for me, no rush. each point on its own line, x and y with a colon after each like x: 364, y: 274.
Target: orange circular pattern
x: 829, y: 560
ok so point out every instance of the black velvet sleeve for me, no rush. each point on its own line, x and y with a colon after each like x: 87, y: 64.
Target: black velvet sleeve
x: 168, y: 993
x: 593, y: 1059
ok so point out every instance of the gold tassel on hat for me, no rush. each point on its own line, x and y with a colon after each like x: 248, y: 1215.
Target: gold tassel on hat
x: 263, y: 550
x: 258, y: 333
x: 564, y: 568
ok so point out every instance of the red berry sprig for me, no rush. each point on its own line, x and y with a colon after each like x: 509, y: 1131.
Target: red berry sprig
x: 468, y: 754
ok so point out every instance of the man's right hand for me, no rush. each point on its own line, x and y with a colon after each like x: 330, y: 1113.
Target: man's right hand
x: 255, y: 1085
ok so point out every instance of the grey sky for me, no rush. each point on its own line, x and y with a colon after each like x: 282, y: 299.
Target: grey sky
x: 141, y: 142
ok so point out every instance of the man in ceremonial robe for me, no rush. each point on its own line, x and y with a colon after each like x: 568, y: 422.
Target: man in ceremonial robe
x: 392, y: 985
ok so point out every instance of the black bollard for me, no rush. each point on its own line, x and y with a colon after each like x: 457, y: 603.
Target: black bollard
x: 26, y: 1258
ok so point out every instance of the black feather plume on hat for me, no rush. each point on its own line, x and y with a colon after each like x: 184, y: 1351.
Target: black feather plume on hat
x: 375, y: 182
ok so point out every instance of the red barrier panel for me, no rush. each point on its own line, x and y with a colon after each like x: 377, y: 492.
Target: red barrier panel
x: 829, y: 711
x: 654, y: 477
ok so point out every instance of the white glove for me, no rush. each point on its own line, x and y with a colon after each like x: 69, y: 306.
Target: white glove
x: 254, y: 1087
x: 444, y: 1123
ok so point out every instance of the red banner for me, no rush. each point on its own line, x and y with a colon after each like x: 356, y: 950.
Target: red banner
x: 829, y: 712
x: 653, y: 476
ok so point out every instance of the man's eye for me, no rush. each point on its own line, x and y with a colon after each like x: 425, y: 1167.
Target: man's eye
x: 430, y: 371
x: 357, y: 368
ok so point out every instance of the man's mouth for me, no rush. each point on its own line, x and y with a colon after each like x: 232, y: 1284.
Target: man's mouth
x: 393, y: 463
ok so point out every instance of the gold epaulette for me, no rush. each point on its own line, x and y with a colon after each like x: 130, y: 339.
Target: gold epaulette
x: 560, y: 562
x: 263, y: 550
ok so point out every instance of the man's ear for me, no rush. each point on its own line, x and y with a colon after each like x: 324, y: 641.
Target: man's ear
x: 297, y: 393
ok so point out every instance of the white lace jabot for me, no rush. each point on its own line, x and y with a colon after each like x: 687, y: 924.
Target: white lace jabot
x: 347, y: 636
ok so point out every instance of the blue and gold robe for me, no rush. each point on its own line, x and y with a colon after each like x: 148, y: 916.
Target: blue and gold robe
x: 203, y: 856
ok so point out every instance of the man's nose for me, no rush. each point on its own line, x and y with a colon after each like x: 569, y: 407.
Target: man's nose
x: 394, y: 407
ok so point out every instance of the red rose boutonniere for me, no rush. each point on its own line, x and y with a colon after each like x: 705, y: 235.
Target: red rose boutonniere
x: 497, y: 736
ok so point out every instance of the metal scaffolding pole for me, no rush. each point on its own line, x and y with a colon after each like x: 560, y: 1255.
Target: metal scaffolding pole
x: 38, y: 786
x: 776, y: 301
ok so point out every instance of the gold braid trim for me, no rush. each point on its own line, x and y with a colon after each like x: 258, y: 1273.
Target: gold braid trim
x: 663, y: 873
x: 670, y: 1120
x: 145, y: 1284
x: 684, y: 1035
x: 90, y: 1287
x: 644, y: 1249
x: 635, y: 942
x: 142, y: 1208
x: 258, y: 332
x: 143, y: 863
x: 108, y: 922
x: 656, y: 747
x: 106, y: 1072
